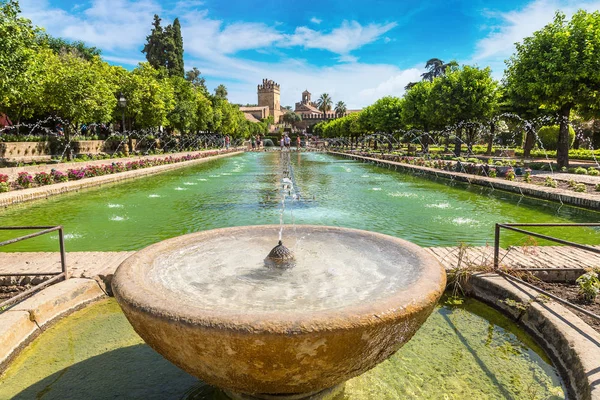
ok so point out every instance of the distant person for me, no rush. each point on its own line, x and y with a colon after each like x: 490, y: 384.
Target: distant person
x: 227, y: 141
x: 4, y: 121
x: 282, y: 143
x: 298, y: 142
x: 287, y: 141
x: 253, y: 143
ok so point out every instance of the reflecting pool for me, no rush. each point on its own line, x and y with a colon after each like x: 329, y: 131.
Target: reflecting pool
x: 244, y: 190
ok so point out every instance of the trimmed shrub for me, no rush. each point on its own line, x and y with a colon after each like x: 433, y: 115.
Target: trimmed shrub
x: 549, y: 136
x: 5, y: 187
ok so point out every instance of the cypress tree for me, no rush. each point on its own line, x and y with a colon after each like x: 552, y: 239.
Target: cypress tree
x: 177, y: 69
x: 155, y: 45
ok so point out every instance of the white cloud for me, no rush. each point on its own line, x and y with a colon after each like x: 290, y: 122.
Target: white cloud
x: 347, y: 58
x: 108, y: 24
x: 357, y: 84
x: 515, y: 25
x: 349, y: 36
x: 316, y: 20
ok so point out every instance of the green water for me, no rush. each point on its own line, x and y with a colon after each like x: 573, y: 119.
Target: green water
x: 461, y: 352
x: 243, y: 190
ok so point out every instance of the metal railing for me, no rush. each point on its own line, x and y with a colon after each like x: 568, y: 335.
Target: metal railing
x: 516, y: 228
x: 56, y: 276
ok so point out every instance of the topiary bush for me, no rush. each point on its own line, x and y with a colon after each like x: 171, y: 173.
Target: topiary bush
x: 549, y: 136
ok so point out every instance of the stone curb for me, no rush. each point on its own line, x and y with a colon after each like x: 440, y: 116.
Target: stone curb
x: 42, y: 192
x: 572, y: 344
x: 545, y: 193
x: 26, y: 320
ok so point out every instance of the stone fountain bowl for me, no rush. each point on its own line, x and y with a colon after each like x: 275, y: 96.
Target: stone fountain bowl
x: 277, y: 352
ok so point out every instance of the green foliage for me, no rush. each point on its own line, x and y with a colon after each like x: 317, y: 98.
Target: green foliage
x: 386, y: 114
x: 580, y: 187
x: 418, y: 107
x: 548, y: 135
x: 79, y: 90
x: 581, y: 171
x: 4, y: 187
x: 510, y: 175
x: 597, y: 187
x: 593, y: 171
x: 340, y: 108
x: 549, y: 182
x: 155, y: 47
x: 17, y: 56
x: 589, y: 286
x: 175, y: 53
x: 556, y: 68
x: 59, y: 45
x: 324, y: 103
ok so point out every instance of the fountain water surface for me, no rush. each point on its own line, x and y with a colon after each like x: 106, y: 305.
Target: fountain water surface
x: 208, y: 303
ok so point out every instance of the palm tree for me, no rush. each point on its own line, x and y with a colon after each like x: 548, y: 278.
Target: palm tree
x: 324, y: 103
x: 436, y: 67
x: 340, y: 108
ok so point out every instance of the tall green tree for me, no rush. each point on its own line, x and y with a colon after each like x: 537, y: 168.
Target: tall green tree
x: 175, y: 57
x: 340, y: 108
x: 324, y: 103
x: 467, y: 94
x: 173, y: 45
x: 194, y: 76
x: 386, y: 114
x: 78, y: 90
x: 155, y: 47
x: 417, y: 110
x: 150, y: 97
x: 557, y: 68
x: 436, y: 67
x: 17, y: 56
x: 60, y: 45
x: 221, y: 92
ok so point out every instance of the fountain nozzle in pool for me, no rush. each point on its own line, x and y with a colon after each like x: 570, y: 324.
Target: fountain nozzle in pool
x: 280, y: 256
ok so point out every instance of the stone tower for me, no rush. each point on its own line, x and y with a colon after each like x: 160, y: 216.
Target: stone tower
x: 269, y: 96
x: 306, y: 97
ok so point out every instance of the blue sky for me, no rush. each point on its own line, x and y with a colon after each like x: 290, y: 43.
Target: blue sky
x: 357, y: 51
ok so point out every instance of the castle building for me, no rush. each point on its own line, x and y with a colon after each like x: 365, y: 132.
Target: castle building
x: 269, y: 102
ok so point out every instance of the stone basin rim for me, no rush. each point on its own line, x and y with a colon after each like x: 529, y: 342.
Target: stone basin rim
x: 129, y: 289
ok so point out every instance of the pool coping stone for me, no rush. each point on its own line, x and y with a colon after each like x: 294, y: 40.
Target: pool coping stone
x: 23, y: 322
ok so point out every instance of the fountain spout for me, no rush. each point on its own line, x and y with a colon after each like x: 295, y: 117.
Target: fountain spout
x: 280, y: 257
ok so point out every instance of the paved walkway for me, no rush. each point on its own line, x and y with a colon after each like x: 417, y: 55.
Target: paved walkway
x: 518, y: 257
x: 80, y: 264
x: 93, y: 264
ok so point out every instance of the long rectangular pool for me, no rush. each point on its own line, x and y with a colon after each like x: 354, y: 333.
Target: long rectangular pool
x: 244, y: 190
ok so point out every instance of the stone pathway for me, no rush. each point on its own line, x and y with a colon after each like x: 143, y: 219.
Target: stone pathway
x: 84, y: 264
x: 518, y: 257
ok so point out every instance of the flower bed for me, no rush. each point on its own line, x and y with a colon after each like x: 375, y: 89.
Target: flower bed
x: 26, y: 180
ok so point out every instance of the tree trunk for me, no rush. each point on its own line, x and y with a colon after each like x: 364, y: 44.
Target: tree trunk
x: 425, y: 143
x: 470, y: 139
x: 488, y: 151
x: 529, y: 141
x: 457, y: 142
x: 562, y: 150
